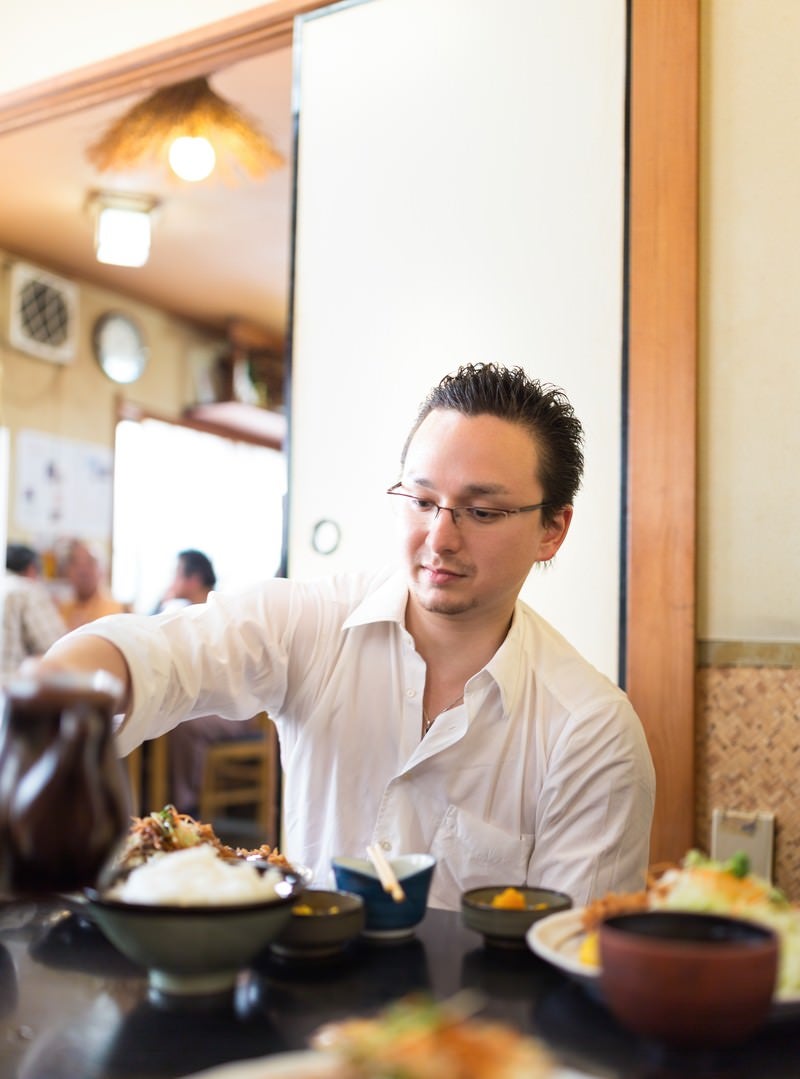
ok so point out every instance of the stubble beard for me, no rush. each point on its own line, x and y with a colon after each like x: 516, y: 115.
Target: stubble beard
x: 446, y: 605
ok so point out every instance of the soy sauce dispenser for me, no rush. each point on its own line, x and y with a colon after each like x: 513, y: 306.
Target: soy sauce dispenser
x: 64, y: 797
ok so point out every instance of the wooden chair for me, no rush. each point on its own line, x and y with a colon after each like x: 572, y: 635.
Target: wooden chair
x: 133, y: 766
x: 148, y: 775
x: 244, y: 772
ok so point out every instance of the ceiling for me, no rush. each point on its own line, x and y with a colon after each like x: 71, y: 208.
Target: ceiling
x: 220, y: 250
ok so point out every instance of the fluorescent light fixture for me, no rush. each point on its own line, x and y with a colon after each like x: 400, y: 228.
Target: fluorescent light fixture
x: 122, y: 228
x: 192, y: 157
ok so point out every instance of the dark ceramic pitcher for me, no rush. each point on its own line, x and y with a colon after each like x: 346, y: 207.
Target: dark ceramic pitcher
x: 64, y: 798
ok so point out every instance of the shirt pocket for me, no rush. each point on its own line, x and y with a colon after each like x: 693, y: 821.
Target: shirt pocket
x: 471, y: 852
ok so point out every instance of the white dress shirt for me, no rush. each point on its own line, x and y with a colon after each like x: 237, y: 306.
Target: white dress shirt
x: 543, y: 775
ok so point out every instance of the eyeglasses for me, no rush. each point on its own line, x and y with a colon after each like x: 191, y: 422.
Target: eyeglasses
x: 479, y: 516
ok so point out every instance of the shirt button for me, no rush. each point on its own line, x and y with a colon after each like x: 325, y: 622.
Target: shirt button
x: 386, y: 845
x: 411, y: 693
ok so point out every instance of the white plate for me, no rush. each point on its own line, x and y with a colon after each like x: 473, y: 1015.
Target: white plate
x: 308, y: 1065
x: 302, y: 1065
x: 558, y: 937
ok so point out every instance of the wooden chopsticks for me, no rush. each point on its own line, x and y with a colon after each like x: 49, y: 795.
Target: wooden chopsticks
x: 385, y: 873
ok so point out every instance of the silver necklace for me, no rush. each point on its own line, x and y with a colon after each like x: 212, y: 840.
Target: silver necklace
x: 427, y: 722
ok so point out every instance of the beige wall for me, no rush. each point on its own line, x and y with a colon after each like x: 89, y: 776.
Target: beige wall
x: 749, y: 438
x: 76, y: 400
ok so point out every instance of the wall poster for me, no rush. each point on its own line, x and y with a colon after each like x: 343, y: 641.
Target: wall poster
x: 63, y: 487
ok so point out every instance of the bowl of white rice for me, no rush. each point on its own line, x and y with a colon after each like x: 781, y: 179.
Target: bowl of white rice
x: 194, y: 920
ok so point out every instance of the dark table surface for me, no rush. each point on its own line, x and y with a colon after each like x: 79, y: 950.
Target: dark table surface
x: 71, y: 1007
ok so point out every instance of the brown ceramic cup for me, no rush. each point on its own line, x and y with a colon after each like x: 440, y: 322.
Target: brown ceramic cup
x: 688, y: 980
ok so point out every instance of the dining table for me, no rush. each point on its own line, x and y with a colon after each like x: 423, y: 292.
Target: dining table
x: 73, y: 1007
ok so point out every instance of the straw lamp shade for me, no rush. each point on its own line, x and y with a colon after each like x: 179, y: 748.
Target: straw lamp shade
x: 144, y: 134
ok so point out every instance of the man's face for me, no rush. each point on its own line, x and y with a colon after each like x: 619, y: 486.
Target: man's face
x: 84, y: 572
x: 457, y: 460
x: 183, y: 584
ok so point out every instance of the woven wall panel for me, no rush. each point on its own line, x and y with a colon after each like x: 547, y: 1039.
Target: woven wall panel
x: 748, y: 756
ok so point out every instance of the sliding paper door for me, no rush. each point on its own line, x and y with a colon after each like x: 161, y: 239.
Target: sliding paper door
x: 460, y: 198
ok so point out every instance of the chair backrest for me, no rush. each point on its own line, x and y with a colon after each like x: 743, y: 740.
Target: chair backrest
x: 244, y: 772
x: 148, y: 774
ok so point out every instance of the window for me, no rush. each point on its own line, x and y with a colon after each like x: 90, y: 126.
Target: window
x: 176, y: 487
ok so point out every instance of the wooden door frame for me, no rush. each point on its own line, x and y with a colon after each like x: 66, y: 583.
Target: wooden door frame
x: 662, y: 402
x: 661, y: 333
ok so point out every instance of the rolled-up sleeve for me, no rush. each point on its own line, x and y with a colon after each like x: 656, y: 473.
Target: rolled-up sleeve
x: 222, y: 657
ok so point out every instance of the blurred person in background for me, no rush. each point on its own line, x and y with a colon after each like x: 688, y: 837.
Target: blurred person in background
x: 82, y: 565
x: 31, y: 622
x: 193, y: 581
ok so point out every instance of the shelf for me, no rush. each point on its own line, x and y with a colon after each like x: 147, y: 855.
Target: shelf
x: 237, y: 420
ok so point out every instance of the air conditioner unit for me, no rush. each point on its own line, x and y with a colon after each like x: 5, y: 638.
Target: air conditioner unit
x: 43, y: 314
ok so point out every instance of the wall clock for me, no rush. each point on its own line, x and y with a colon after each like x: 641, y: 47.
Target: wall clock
x: 119, y: 347
x: 325, y: 536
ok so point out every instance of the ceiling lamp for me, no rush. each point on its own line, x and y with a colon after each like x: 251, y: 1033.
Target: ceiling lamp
x: 122, y: 228
x: 192, y: 114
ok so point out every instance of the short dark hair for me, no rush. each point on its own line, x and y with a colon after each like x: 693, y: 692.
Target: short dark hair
x: 20, y: 557
x: 197, y: 564
x: 543, y: 409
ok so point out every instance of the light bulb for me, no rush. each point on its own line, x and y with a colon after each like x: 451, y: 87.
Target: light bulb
x: 192, y: 158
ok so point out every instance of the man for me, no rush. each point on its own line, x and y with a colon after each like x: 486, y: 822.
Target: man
x: 31, y: 622
x: 82, y: 566
x: 425, y: 708
x: 193, y: 581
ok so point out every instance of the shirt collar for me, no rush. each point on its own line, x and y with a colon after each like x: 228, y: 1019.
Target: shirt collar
x: 505, y: 666
x: 386, y: 604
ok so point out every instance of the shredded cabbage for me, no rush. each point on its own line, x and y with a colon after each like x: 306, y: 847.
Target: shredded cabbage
x: 715, y: 887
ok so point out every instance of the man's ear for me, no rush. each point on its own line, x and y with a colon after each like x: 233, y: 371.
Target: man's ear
x: 554, y: 533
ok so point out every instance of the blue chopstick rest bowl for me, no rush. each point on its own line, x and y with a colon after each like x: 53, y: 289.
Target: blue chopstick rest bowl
x: 383, y: 917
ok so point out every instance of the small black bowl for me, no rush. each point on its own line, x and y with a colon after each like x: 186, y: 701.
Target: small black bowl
x: 503, y: 926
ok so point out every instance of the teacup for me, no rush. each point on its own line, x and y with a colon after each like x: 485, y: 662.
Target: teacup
x: 384, y: 917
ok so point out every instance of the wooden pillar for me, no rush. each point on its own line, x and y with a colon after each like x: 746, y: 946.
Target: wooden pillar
x: 663, y: 241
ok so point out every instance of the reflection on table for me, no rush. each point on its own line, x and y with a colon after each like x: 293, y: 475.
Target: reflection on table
x: 71, y: 1007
